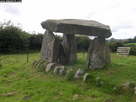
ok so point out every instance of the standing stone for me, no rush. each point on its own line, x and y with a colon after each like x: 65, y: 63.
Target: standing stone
x: 70, y: 48
x: 98, y: 54
x: 62, y: 56
x: 50, y: 47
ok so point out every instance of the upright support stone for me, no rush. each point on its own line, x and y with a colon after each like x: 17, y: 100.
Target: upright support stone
x: 98, y: 54
x: 50, y: 47
x: 70, y: 48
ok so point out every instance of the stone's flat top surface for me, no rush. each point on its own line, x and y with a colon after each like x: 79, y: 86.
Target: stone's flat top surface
x: 76, y: 26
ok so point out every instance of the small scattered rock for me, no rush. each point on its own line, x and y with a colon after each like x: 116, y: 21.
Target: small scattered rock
x: 126, y: 86
x: 120, y: 64
x: 114, y: 88
x: 97, y: 78
x: 44, y: 65
x: 135, y: 93
x: 61, y: 70
x: 56, y: 69
x: 102, y: 82
x: 50, y: 66
x: 135, y: 90
x: 78, y: 73
x: 68, y: 71
x: 39, y: 64
x: 34, y: 62
x: 84, y: 78
x: 10, y: 94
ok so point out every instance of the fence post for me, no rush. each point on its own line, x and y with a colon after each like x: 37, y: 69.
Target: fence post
x: 0, y: 48
x: 27, y: 52
x: 83, y: 47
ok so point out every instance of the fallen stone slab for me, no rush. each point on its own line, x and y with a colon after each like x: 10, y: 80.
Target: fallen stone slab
x: 77, y: 26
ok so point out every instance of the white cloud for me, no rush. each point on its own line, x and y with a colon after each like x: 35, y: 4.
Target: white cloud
x: 118, y: 14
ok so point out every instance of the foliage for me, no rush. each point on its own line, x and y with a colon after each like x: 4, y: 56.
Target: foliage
x: 133, y: 49
x: 59, y: 38
x: 131, y: 40
x: 35, y: 41
x: 114, y: 45
x: 83, y: 42
x: 12, y: 37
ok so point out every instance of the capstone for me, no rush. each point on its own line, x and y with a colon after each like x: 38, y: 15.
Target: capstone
x: 77, y: 26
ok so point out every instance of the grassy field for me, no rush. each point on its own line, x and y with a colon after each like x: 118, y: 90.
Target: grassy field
x: 20, y: 82
x: 131, y: 44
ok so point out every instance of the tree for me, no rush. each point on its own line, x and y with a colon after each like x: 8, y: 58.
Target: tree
x: 112, y: 40
x: 12, y: 38
x: 36, y: 41
x: 130, y: 40
x: 134, y: 40
x: 83, y: 42
x: 114, y: 45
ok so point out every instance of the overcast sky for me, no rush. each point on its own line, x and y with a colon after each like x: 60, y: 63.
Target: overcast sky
x: 120, y: 15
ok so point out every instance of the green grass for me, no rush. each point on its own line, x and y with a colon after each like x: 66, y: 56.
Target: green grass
x: 131, y: 44
x: 20, y: 82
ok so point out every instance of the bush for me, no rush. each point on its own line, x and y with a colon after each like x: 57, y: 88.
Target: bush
x: 114, y: 45
x: 12, y: 38
x: 36, y: 41
x: 132, y: 50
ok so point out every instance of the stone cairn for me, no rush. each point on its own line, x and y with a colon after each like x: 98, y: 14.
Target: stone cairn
x: 65, y: 53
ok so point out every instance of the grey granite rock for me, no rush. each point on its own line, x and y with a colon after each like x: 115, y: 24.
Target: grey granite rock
x: 50, y: 48
x: 77, y: 26
x: 78, y: 73
x: 98, y: 54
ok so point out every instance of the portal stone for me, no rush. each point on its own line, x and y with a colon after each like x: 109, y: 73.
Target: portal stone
x: 98, y: 54
x: 50, y: 48
x: 70, y: 48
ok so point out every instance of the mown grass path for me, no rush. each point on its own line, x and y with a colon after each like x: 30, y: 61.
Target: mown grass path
x: 20, y: 82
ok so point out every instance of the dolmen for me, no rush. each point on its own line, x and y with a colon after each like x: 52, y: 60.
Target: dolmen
x: 66, y: 52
